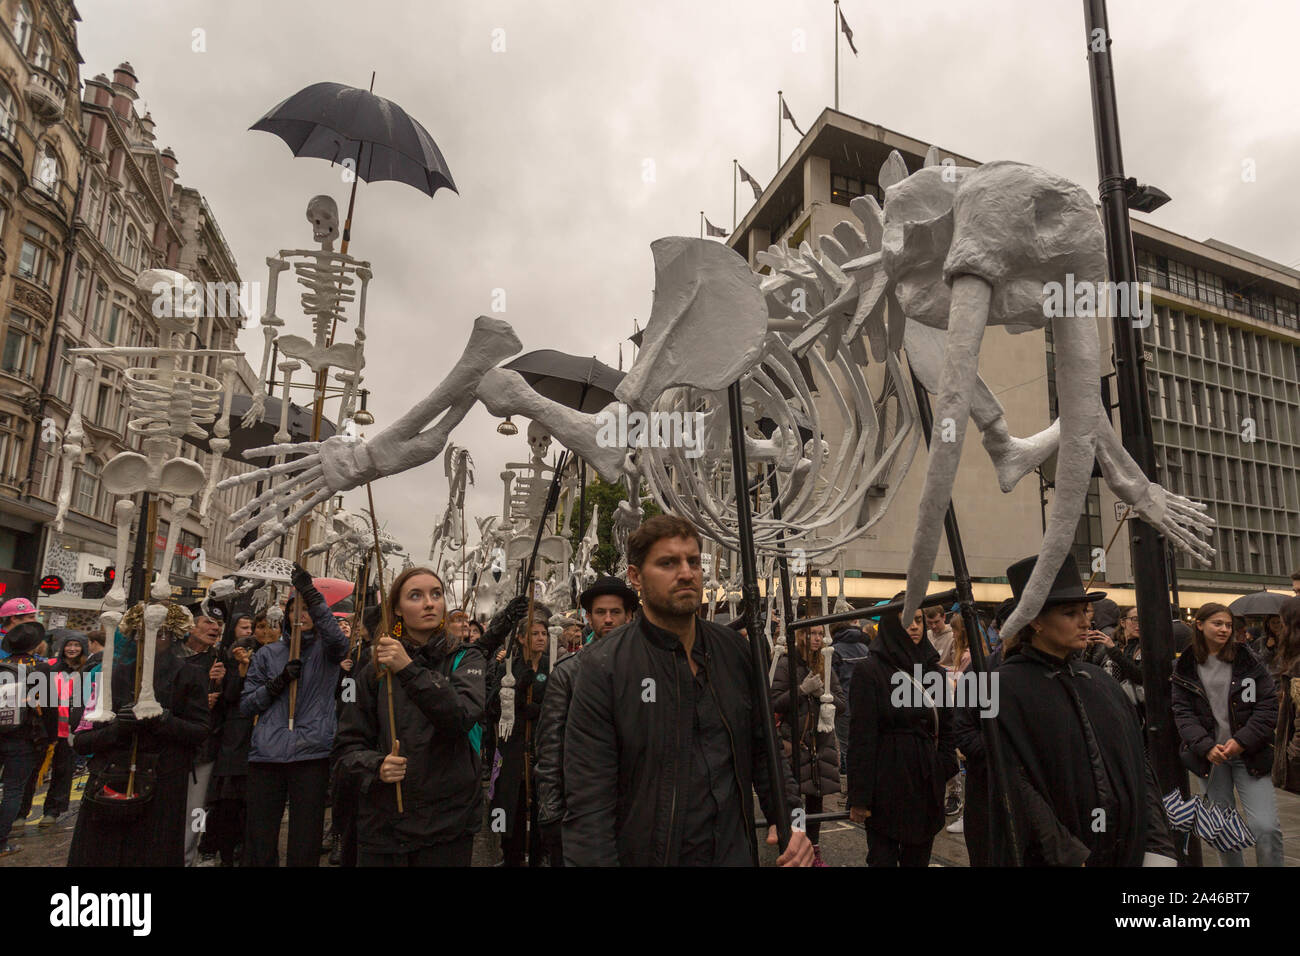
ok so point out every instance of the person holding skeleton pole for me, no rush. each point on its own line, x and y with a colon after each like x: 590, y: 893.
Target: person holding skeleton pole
x: 292, y: 765
x: 426, y: 739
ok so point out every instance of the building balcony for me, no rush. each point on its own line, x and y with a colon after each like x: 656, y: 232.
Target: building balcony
x: 46, y: 95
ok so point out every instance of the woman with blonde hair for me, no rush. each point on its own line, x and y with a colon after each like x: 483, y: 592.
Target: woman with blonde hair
x: 819, y: 752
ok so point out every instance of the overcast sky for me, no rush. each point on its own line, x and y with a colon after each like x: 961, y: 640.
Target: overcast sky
x: 547, y: 142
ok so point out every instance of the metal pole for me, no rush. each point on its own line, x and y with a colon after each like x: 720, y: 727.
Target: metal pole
x: 749, y: 605
x: 733, y: 195
x: 787, y: 617
x: 779, y: 119
x: 1150, y: 581
x: 139, y: 586
x: 1001, y: 782
x: 837, y: 54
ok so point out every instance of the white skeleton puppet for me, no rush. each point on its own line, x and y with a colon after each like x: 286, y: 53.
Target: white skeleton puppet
x: 706, y: 331
x: 164, y: 403
x: 327, y: 278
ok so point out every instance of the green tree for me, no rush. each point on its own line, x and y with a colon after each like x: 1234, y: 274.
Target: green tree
x: 607, y: 496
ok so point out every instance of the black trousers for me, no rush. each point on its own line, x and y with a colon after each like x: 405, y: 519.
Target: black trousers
x: 29, y: 791
x: 303, y: 784
x: 514, y: 844
x: 882, y: 851
x: 343, y: 815
x: 813, y: 804
x: 226, y: 829
x: 459, y: 852
x: 975, y: 824
x: 60, y: 792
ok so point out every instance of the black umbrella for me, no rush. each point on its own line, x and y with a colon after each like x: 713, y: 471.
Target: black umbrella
x: 346, y: 124
x: 263, y: 432
x: 1258, y: 604
x: 585, y: 384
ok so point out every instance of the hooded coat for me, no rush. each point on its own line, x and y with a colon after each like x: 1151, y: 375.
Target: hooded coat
x: 901, y: 747
x: 169, y: 742
x: 819, y: 751
x: 437, y: 701
x: 1082, y: 789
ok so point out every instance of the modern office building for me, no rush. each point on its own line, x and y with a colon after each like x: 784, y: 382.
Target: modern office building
x: 1222, y: 368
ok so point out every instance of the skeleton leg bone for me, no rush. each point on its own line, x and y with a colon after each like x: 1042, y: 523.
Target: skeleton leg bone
x: 146, y: 704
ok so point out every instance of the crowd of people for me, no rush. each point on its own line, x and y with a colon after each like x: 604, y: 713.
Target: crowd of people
x: 632, y: 735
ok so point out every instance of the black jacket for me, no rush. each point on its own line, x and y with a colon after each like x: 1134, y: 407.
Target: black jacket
x: 1082, y: 789
x: 817, y: 751
x: 168, y: 743
x: 202, y: 662
x: 626, y: 743
x: 901, y: 750
x: 530, y: 693
x: 548, y: 776
x: 236, y: 730
x: 435, y: 708
x: 1252, y: 712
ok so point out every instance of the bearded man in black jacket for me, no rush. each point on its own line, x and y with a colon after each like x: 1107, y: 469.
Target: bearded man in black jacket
x: 664, y: 744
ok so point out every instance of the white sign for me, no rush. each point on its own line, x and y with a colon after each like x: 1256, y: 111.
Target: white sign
x: 1120, y: 508
x: 91, y: 567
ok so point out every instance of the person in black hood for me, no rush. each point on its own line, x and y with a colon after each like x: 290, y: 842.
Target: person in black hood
x: 901, y: 750
x: 430, y: 748
x: 664, y: 744
x: 1082, y: 790
x: 163, y: 757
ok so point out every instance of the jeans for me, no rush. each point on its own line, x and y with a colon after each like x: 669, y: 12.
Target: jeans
x: 1259, y: 807
x: 19, y: 761
x: 196, y: 799
x: 303, y: 784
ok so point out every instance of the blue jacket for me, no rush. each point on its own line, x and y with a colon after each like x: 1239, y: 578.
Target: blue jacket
x: 323, y: 648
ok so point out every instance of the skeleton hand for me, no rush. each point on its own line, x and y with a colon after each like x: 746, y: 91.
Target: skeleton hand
x: 255, y: 411
x: 283, y: 503
x: 1184, y: 522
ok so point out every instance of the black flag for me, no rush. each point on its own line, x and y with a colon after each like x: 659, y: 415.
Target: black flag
x: 848, y: 34
x: 785, y: 114
x: 711, y: 230
x: 753, y: 183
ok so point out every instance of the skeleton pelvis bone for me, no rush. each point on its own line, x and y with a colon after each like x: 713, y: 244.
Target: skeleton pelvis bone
x: 339, y: 355
x: 129, y: 472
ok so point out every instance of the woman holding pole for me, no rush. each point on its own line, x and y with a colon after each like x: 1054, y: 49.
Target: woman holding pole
x: 410, y: 737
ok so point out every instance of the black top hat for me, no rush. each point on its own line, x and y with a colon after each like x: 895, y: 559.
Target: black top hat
x: 213, y: 612
x: 609, y: 585
x: 1066, y: 589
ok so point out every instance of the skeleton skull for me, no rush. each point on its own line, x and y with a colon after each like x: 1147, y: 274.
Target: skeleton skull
x: 539, y: 440
x: 323, y: 214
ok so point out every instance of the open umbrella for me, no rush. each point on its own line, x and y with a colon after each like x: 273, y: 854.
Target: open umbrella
x: 1258, y: 604
x: 584, y: 384
x: 375, y: 135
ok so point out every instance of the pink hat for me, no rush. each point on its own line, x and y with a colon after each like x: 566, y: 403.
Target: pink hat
x: 16, y: 606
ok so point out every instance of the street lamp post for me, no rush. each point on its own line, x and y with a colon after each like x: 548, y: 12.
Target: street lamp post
x: 1150, y: 578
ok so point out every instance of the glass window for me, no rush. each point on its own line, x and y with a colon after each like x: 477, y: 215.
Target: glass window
x: 114, y: 226
x: 23, y: 20
x: 41, y: 58
x: 80, y: 280
x: 22, y: 341
x: 63, y: 373
x: 8, y: 112
x: 115, y: 314
x: 88, y: 487
x: 1164, y: 399
x: 1182, y: 279
x: 844, y: 189
x: 129, y: 247
x: 97, y: 312
x: 1195, y: 401
x: 1180, y: 403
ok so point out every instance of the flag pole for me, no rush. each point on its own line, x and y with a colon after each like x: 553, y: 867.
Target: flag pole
x: 734, y: 163
x: 779, y: 103
x: 701, y: 223
x: 837, y: 54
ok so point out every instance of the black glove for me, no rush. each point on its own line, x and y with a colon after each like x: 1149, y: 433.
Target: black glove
x: 280, y: 682
x: 508, y: 617
x: 302, y: 583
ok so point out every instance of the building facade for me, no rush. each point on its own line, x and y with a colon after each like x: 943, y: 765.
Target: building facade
x: 1222, y: 355
x: 41, y: 158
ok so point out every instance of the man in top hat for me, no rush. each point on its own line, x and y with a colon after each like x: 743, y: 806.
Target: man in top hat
x: 1083, y: 793
x: 13, y: 612
x: 609, y: 604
